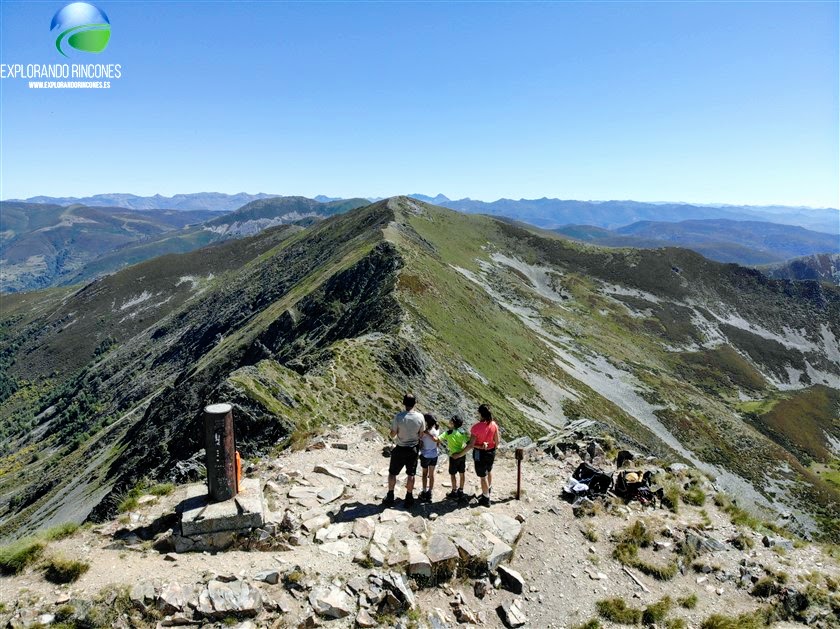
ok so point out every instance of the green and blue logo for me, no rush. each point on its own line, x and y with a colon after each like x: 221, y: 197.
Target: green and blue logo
x: 81, y: 26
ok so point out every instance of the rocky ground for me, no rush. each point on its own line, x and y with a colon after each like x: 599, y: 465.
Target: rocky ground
x: 330, y: 555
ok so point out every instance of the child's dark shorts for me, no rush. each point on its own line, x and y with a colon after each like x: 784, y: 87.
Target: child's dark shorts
x: 428, y: 462
x: 457, y: 465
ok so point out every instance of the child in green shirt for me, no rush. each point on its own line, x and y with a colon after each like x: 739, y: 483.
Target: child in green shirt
x: 456, y: 439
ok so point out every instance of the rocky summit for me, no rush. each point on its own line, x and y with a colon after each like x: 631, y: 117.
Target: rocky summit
x: 349, y: 562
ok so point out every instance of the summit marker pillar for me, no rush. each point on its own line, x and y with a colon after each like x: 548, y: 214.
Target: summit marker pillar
x: 220, y: 446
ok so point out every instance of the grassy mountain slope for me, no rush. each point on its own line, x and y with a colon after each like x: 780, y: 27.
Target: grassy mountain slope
x: 335, y: 321
x: 624, y: 313
x: 43, y: 244
x: 247, y: 220
x: 821, y: 267
x: 51, y: 245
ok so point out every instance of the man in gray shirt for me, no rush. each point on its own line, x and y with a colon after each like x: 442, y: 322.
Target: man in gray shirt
x: 406, y: 429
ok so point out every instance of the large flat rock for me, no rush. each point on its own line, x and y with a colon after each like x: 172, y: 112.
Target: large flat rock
x: 246, y: 510
x: 441, y: 549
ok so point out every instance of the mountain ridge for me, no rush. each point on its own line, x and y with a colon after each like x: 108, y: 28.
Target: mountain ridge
x: 820, y: 267
x: 337, y: 318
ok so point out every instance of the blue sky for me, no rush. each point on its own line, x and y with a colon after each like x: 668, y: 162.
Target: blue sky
x: 699, y: 102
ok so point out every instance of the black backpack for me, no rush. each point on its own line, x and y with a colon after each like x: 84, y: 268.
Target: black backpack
x: 599, y: 481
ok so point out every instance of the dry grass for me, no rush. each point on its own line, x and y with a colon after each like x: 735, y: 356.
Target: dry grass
x: 656, y: 612
x: 616, y: 610
x: 749, y: 620
x: 15, y: 557
x: 688, y: 602
x: 59, y: 570
x: 630, y: 540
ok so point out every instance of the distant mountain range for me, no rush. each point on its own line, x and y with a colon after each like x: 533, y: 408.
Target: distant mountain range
x: 553, y: 213
x: 46, y: 245
x: 546, y: 213
x: 724, y: 240
x: 214, y: 201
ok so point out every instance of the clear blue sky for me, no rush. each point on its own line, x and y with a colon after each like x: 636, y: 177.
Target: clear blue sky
x: 700, y: 102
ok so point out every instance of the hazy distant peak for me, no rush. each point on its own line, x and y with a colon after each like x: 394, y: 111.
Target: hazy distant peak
x: 437, y: 200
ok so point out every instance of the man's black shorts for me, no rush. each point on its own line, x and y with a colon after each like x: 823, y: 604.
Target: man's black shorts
x: 403, y: 457
x: 483, y: 460
x: 457, y: 465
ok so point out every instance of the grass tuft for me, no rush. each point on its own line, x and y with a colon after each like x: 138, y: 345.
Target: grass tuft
x: 592, y: 623
x: 742, y: 541
x: 749, y: 620
x: 636, y: 534
x: 694, y: 496
x: 128, y: 503
x: 60, y: 531
x: 656, y: 612
x: 590, y: 533
x: 162, y: 489
x: 626, y: 552
x: 740, y: 517
x: 110, y: 603
x: 660, y: 572
x: 671, y: 496
x: 616, y: 610
x: 131, y: 499
x: 60, y: 570
x: 15, y: 557
x: 769, y: 586
x: 688, y: 602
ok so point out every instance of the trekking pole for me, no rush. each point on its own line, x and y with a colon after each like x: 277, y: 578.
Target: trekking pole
x: 519, y: 455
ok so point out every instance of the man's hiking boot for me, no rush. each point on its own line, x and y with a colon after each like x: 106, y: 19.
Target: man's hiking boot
x: 484, y: 501
x: 426, y: 496
x: 460, y: 496
x: 389, y: 499
x: 452, y: 495
x: 409, y: 501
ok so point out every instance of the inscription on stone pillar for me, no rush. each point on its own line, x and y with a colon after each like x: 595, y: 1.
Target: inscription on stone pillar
x: 221, y: 451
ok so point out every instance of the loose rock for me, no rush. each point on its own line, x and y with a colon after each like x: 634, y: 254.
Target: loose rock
x: 511, y: 580
x: 331, y: 602
x: 511, y: 615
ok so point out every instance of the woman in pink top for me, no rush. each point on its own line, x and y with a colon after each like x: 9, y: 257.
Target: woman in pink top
x: 484, y: 437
